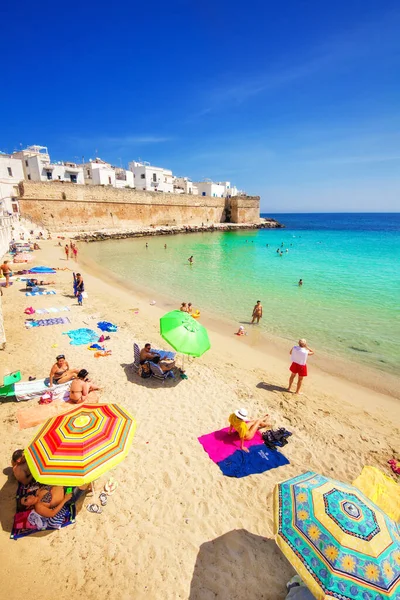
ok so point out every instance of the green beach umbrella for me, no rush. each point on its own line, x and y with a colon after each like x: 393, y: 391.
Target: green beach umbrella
x: 340, y: 543
x: 184, y: 333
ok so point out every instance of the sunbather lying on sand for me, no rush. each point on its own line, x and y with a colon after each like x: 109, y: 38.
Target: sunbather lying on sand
x: 245, y: 426
x: 20, y: 468
x: 37, y: 282
x: 60, y: 371
x: 81, y: 388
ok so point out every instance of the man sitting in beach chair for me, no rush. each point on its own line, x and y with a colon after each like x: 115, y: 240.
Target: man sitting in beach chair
x: 146, y: 355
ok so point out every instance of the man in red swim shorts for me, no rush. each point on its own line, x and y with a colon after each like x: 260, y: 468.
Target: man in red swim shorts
x: 298, y: 367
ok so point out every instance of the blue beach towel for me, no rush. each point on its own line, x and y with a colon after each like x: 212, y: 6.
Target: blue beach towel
x: 106, y: 326
x: 45, y: 293
x: 258, y: 460
x: 82, y: 336
x: 164, y: 353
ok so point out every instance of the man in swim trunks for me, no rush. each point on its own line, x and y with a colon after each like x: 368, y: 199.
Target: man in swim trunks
x: 81, y: 388
x: 298, y: 367
x: 257, y: 312
x: 245, y: 426
x: 60, y: 371
x: 147, y: 355
x: 5, y: 268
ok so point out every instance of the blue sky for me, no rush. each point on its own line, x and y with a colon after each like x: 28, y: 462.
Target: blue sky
x: 297, y: 101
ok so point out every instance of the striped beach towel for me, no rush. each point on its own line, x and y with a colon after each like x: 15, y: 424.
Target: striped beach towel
x: 27, y: 390
x: 52, y: 309
x: 44, y: 293
x: 46, y: 322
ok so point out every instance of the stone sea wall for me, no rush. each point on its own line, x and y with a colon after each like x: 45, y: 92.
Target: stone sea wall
x: 67, y: 207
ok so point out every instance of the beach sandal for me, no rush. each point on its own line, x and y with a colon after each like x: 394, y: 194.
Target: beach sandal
x: 94, y: 508
x: 183, y: 375
x: 32, y: 378
x: 103, y: 498
x: 111, y: 486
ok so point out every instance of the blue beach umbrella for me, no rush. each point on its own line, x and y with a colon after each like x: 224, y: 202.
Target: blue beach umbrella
x: 340, y: 543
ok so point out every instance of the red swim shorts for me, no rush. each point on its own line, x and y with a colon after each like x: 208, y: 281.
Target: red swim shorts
x: 299, y: 369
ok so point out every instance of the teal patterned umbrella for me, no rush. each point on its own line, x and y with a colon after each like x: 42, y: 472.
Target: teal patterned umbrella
x: 340, y: 543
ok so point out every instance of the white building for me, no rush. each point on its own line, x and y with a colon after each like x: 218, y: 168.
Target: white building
x: 209, y: 188
x: 124, y: 178
x: 221, y: 189
x: 184, y: 185
x: 37, y: 166
x: 153, y: 179
x: 11, y: 173
x: 98, y: 172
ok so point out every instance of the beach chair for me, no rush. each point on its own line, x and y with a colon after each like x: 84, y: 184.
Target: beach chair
x: 158, y: 373
x: 136, y: 355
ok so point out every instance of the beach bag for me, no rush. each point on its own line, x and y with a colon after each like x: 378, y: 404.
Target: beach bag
x: 144, y: 371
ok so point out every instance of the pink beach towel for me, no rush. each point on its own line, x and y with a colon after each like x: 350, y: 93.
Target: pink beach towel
x: 219, y: 444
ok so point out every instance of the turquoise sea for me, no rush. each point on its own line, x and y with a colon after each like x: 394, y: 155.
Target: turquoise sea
x: 350, y: 265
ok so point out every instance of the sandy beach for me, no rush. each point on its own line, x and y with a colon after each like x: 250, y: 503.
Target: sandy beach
x: 176, y: 527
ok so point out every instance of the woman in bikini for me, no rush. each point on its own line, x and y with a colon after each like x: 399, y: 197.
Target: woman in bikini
x: 60, y: 372
x: 81, y: 388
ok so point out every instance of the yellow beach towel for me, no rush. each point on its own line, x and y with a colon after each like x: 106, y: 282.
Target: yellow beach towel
x: 382, y: 490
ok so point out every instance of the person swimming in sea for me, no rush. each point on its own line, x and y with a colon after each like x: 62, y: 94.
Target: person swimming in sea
x: 190, y: 259
x: 300, y: 282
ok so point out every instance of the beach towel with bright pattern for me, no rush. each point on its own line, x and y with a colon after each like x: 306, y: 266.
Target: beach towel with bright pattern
x: 224, y: 449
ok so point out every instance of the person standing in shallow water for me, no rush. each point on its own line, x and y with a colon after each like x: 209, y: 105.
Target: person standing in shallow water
x: 300, y: 282
x: 257, y: 312
x: 190, y: 259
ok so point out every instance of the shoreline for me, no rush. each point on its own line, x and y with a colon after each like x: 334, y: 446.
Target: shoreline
x: 159, y: 230
x: 275, y: 347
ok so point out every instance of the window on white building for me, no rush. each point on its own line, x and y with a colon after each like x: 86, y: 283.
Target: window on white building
x: 26, y: 163
x: 29, y: 177
x: 49, y: 175
x: 73, y: 178
x: 142, y: 176
x: 88, y: 172
x: 154, y: 177
x: 109, y: 180
x: 9, y: 171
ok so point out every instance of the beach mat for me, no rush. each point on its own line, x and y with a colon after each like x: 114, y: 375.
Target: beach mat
x: 43, y: 293
x: 220, y: 444
x: 40, y: 413
x: 21, y: 526
x: 28, y: 390
x: 258, y: 460
x: 47, y: 322
x: 52, y: 309
x: 224, y: 449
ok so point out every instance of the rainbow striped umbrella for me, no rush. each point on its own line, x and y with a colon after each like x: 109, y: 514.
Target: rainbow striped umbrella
x: 341, y: 544
x: 77, y: 447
